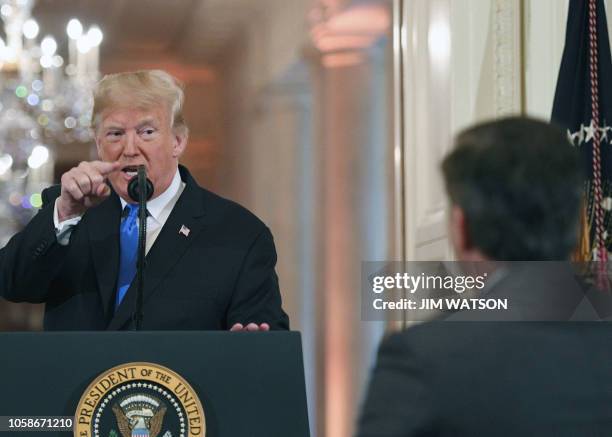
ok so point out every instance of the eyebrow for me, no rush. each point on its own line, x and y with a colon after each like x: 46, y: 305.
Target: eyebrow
x: 113, y: 127
x: 145, y: 122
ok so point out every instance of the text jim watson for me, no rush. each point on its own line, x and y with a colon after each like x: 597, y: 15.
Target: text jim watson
x: 442, y: 304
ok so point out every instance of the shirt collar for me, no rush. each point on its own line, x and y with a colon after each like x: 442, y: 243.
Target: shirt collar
x: 156, y: 205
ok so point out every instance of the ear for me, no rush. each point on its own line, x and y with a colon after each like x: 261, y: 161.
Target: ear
x: 96, y: 133
x: 98, y: 146
x: 459, y: 233
x: 179, y: 144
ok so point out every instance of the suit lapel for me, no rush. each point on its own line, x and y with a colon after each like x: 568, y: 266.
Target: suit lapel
x: 168, y: 248
x: 103, y: 227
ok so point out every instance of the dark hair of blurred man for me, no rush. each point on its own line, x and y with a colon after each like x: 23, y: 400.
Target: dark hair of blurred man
x: 515, y: 188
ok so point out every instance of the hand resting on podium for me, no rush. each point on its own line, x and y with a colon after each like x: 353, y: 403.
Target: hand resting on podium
x: 252, y: 327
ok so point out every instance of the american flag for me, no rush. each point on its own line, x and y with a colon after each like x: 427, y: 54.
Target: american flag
x: 583, y: 105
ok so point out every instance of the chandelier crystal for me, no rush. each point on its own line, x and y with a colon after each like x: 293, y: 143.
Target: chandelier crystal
x: 45, y: 102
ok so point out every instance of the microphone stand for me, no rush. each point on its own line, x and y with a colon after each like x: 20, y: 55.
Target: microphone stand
x: 142, y: 243
x: 141, y: 192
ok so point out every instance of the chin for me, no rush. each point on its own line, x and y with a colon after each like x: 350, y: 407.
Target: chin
x: 120, y: 188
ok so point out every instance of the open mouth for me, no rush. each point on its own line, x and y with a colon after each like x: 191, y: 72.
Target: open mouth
x: 130, y: 170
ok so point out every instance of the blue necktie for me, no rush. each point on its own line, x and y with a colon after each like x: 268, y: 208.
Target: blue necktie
x: 128, y: 240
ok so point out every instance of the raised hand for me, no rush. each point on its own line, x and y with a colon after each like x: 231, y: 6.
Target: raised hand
x: 84, y: 186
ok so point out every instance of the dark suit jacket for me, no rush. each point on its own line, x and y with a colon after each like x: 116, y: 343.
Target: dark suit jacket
x: 220, y: 274
x: 467, y: 378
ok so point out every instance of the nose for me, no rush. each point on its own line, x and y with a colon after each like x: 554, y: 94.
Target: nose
x: 130, y: 146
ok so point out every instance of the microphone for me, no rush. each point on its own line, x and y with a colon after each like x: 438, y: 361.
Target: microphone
x: 140, y: 189
x: 134, y: 185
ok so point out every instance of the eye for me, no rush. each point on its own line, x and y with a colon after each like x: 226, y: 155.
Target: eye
x: 114, y: 134
x: 147, y: 132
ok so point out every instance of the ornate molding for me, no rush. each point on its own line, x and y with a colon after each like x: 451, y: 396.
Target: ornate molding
x: 507, y: 56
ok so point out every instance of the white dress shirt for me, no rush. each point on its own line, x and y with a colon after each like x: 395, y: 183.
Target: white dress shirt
x: 159, y: 210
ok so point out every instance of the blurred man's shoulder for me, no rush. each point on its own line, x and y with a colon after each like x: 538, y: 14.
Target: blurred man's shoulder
x: 446, y: 339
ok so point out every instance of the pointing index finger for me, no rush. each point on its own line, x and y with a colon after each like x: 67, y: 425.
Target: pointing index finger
x: 105, y: 168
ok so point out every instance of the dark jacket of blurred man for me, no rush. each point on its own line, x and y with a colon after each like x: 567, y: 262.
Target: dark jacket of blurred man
x: 210, y: 263
x: 515, y: 189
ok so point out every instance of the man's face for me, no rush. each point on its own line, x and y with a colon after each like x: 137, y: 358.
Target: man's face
x: 139, y: 137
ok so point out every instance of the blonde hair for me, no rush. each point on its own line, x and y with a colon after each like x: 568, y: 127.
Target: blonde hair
x: 140, y: 89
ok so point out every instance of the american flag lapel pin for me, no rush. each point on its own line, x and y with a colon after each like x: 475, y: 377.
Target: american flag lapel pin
x: 184, y: 231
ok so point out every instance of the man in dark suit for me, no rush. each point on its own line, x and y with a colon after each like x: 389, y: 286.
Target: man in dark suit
x: 515, y: 190
x: 209, y: 263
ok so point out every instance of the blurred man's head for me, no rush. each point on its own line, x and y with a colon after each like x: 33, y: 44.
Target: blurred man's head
x: 138, y: 120
x: 515, y: 187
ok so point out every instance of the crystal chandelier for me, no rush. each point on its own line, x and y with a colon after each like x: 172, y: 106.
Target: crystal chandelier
x: 45, y: 101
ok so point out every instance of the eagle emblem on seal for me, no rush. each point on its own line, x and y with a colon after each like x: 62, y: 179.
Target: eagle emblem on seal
x: 139, y: 415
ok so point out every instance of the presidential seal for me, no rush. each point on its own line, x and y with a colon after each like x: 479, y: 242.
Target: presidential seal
x: 139, y: 400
